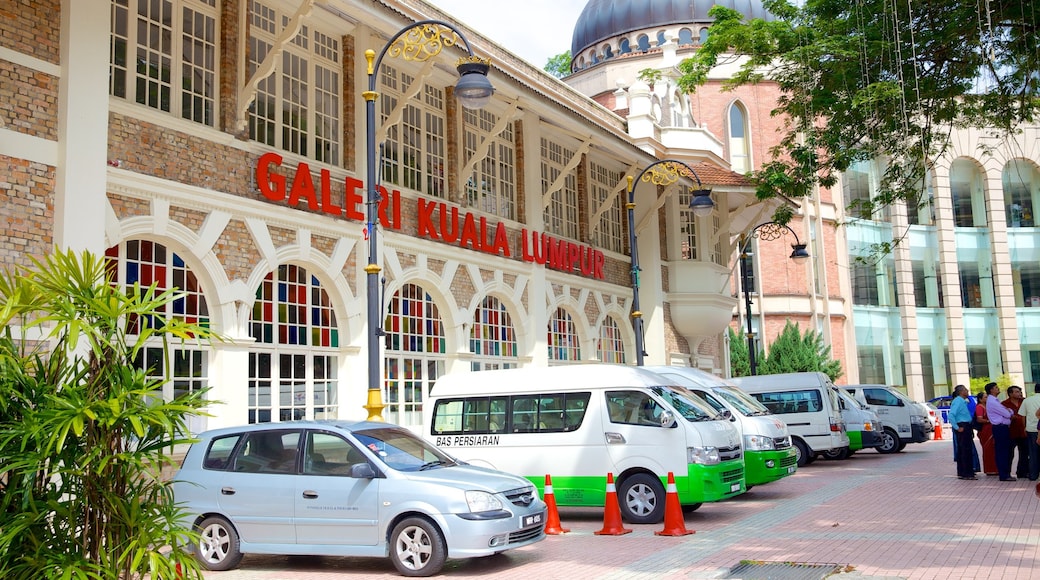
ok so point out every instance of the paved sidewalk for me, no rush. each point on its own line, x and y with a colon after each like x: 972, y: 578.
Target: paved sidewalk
x: 881, y: 516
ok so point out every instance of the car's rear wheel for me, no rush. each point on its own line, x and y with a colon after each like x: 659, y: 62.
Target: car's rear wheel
x: 218, y: 545
x: 889, y: 441
x: 842, y: 453
x: 417, y: 547
x: 641, y: 498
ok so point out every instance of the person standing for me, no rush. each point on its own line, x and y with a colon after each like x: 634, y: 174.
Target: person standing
x: 1018, y: 432
x: 989, y: 463
x: 960, y: 422
x: 1028, y: 410
x: 1000, y: 421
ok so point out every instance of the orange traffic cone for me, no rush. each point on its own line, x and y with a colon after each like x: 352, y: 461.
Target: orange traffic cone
x: 674, y: 524
x: 938, y: 429
x: 552, y: 519
x: 612, y: 512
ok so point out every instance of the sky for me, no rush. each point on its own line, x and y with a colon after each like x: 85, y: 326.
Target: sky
x: 534, y: 30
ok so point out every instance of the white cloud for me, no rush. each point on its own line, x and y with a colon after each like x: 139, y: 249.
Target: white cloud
x: 533, y: 29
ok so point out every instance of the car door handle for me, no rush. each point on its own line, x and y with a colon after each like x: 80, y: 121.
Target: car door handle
x: 310, y: 494
x: 227, y: 491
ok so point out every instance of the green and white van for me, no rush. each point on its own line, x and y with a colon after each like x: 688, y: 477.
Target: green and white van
x: 904, y: 421
x: 578, y: 423
x: 768, y: 454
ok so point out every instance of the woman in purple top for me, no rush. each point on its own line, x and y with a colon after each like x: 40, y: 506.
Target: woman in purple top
x: 989, y: 457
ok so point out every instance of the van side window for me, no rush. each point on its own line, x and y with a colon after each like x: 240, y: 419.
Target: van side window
x: 633, y: 408
x: 541, y: 413
x: 880, y: 397
x: 268, y: 452
x: 807, y: 401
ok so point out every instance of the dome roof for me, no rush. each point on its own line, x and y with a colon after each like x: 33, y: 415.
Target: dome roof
x: 603, y: 19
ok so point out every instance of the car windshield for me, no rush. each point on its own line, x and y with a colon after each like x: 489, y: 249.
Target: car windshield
x: 741, y: 401
x: 687, y: 404
x: 401, y: 450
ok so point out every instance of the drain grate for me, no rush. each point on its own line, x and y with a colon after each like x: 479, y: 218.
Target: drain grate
x: 757, y: 570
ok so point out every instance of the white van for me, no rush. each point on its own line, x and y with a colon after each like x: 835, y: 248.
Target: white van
x: 904, y: 421
x: 768, y: 454
x: 862, y: 425
x: 578, y: 423
x: 809, y: 405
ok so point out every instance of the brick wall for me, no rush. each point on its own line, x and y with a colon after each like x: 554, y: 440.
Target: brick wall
x: 28, y: 101
x: 27, y: 214
x: 32, y: 27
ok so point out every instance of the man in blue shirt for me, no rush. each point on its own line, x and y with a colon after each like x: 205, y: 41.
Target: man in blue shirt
x: 960, y: 422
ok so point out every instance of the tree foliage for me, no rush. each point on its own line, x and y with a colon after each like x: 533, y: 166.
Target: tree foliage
x: 878, y: 79
x: 739, y: 365
x: 793, y: 352
x: 559, y: 66
x: 84, y: 432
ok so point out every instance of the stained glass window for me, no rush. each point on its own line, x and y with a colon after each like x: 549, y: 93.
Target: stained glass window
x: 563, y: 338
x: 492, y: 338
x: 610, y: 348
x: 415, y: 348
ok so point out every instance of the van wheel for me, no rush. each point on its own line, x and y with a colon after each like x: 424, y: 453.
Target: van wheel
x: 417, y: 547
x: 641, y: 498
x: 839, y: 454
x: 802, y: 453
x: 889, y: 441
x: 218, y: 544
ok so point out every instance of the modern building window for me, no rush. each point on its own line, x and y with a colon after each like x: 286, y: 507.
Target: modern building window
x: 871, y: 365
x: 865, y: 285
x: 976, y: 286
x: 856, y: 181
x: 138, y: 265
x: 492, y: 339
x: 1026, y: 276
x: 609, y: 230
x: 561, y: 214
x: 739, y: 139
x: 294, y: 365
x: 966, y: 192
x: 415, y: 353
x: 297, y: 107
x: 978, y: 362
x: 492, y: 185
x: 610, y: 348
x: 564, y: 344
x: 154, y: 41
x: 1021, y: 182
x: 921, y: 211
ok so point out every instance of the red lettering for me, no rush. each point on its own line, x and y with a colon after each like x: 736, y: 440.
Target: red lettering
x: 600, y: 259
x: 425, y: 216
x: 353, y: 199
x: 573, y: 256
x: 396, y: 197
x: 501, y: 241
x: 469, y: 233
x: 271, y: 185
x: 449, y: 228
x: 327, y: 205
x: 303, y: 187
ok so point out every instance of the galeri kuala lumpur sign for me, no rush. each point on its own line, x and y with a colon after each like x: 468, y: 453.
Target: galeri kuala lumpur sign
x: 436, y: 220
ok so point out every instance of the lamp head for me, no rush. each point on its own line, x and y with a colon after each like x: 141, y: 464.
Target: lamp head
x: 799, y: 253
x: 701, y: 203
x: 473, y: 90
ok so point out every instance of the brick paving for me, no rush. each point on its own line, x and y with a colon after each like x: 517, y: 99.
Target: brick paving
x: 894, y: 516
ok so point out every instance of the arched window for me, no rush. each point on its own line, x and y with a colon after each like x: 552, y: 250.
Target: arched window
x: 966, y: 193
x: 643, y: 42
x: 415, y: 353
x: 293, y: 369
x: 610, y: 348
x: 1021, y: 183
x: 564, y: 345
x: 739, y: 143
x: 661, y: 39
x: 625, y: 46
x: 703, y: 36
x: 608, y: 52
x: 148, y: 263
x: 685, y: 36
x: 492, y: 340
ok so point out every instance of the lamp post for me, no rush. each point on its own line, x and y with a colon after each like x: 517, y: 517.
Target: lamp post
x: 767, y: 231
x: 418, y: 42
x: 664, y: 172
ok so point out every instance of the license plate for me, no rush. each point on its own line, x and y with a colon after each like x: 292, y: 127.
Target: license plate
x: 734, y: 487
x: 790, y: 469
x: 531, y: 520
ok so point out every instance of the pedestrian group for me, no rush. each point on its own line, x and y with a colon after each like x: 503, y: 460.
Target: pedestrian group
x: 1005, y: 429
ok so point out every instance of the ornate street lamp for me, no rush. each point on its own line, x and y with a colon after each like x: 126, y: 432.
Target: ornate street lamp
x: 664, y: 172
x: 418, y: 42
x: 767, y: 231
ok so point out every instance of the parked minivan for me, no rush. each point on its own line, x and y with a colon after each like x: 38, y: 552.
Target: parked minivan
x: 861, y: 424
x: 768, y: 454
x: 578, y: 423
x: 338, y: 488
x: 904, y: 421
x: 809, y: 405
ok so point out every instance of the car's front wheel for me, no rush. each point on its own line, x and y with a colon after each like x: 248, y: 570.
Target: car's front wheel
x: 218, y: 545
x: 417, y: 547
x: 642, y: 499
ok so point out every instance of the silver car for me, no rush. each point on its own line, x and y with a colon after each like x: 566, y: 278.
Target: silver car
x: 348, y: 489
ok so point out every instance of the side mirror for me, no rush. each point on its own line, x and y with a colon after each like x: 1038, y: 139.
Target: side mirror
x: 667, y: 419
x: 362, y: 471
x: 726, y: 415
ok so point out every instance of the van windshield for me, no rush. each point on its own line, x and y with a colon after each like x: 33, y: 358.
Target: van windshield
x: 688, y: 405
x: 741, y: 402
